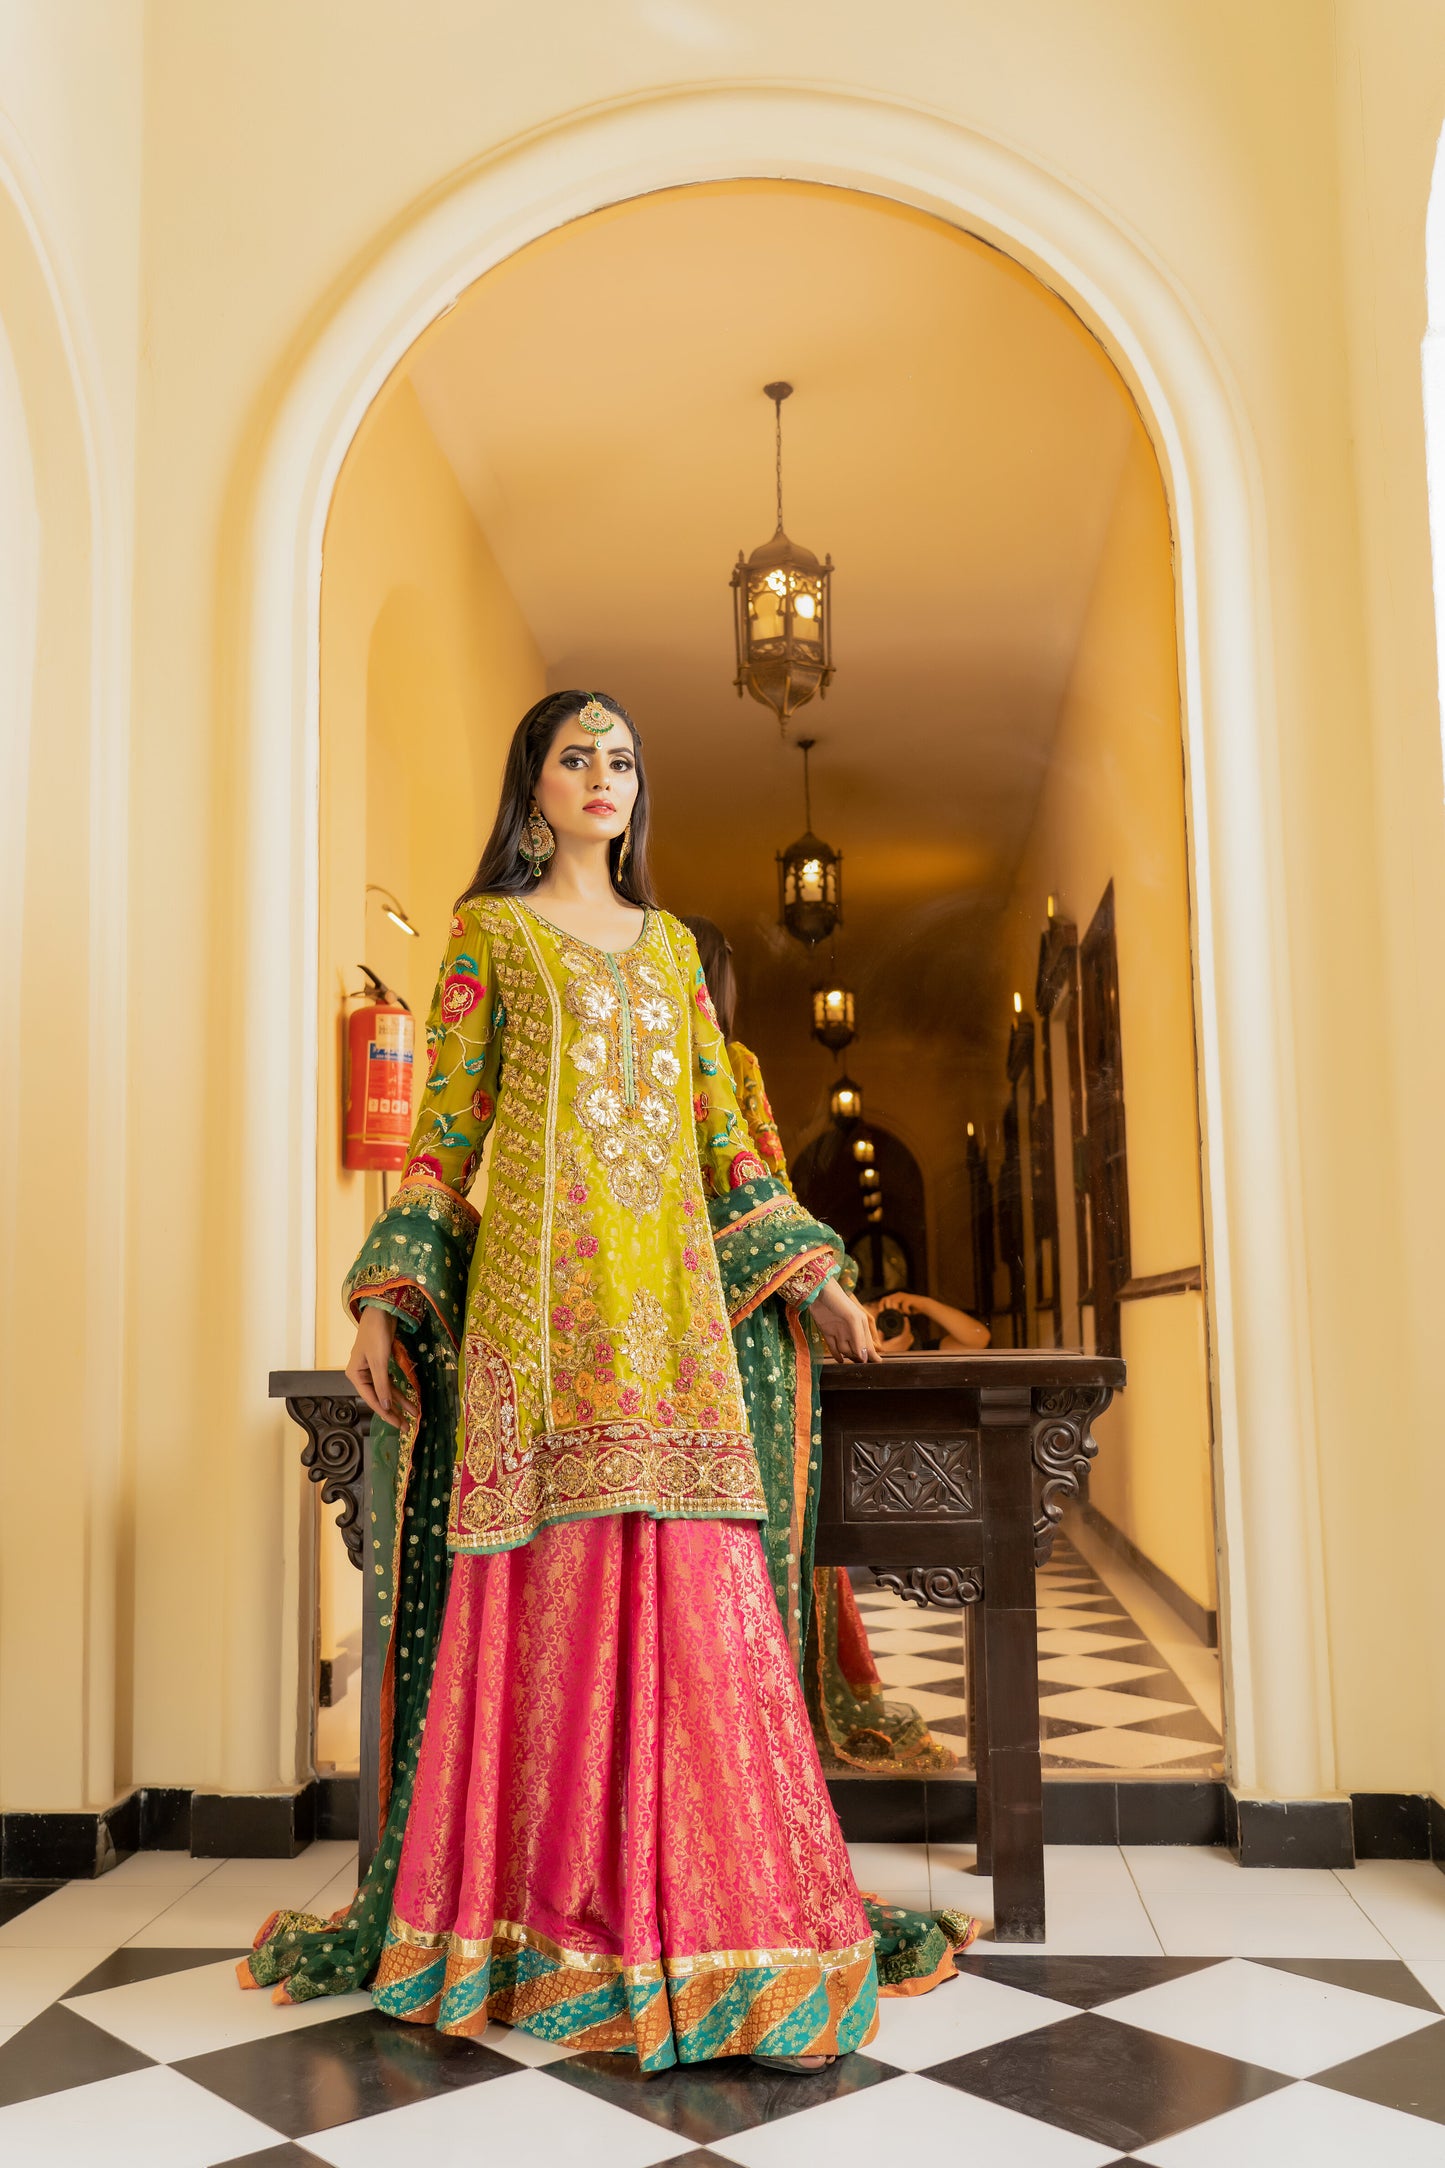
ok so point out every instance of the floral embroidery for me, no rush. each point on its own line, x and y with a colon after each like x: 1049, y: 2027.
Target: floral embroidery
x: 645, y: 1335
x: 630, y: 1020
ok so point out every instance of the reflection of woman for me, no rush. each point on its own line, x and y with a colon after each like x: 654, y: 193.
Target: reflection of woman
x: 958, y: 1331
x: 605, y: 1820
x: 852, y: 1722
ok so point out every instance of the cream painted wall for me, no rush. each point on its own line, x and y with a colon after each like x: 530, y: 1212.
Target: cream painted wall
x: 1273, y: 161
x: 1111, y: 807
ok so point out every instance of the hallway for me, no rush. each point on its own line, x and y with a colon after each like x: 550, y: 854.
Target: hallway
x: 1181, y: 2013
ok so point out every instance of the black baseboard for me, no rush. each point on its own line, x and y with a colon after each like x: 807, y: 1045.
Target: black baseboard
x: 1291, y: 1832
x: 1200, y: 1621
x: 1077, y: 1810
x: 253, y: 1825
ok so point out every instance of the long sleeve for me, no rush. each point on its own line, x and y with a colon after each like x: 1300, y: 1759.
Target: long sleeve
x: 757, y: 1112
x: 464, y: 1035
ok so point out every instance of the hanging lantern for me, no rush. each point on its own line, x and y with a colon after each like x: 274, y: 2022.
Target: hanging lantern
x: 833, y: 1016
x: 810, y: 878
x: 846, y: 1100
x: 863, y: 1149
x: 782, y: 610
x: 873, y: 1206
x: 868, y: 1176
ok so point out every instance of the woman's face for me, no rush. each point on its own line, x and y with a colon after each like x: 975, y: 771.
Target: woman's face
x: 588, y: 787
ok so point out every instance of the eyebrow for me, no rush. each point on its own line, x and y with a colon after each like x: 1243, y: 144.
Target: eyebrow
x: 625, y: 750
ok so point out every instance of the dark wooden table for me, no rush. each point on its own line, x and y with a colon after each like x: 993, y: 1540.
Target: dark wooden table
x: 946, y: 1475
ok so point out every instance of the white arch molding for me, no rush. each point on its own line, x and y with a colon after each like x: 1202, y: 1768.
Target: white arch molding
x: 1277, y: 1677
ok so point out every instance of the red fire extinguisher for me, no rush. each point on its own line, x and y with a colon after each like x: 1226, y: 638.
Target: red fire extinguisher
x: 380, y: 1053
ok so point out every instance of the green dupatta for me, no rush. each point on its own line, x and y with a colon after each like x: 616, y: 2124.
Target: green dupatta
x: 778, y: 1348
x: 426, y: 1240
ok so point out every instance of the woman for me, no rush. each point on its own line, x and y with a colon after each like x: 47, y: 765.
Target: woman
x: 606, y: 1821
x: 853, y: 1724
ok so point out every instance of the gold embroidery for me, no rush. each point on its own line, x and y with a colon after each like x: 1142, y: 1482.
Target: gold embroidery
x: 645, y: 1335
x: 631, y: 1020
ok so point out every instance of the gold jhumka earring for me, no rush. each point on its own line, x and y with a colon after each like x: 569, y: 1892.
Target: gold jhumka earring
x: 626, y: 847
x: 538, y: 842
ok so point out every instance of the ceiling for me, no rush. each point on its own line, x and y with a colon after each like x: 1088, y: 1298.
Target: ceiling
x: 955, y: 441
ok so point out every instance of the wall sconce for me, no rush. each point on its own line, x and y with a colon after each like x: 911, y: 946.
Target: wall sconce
x: 393, y: 909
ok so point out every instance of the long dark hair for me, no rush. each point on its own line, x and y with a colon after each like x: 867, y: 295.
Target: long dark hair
x: 716, y: 959
x: 503, y: 870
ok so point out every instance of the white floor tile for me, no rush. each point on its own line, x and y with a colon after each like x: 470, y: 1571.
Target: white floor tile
x: 1092, y: 1906
x: 83, y: 1915
x: 199, y: 1922
x: 1304, y: 2124
x: 1098, y: 1706
x: 147, y: 2119
x: 1278, y: 2019
x: 30, y: 1980
x: 915, y: 2031
x: 910, y: 2116
x: 295, y: 1879
x: 914, y: 1670
x: 1118, y: 1749
x: 1075, y: 1641
x: 1406, y: 1900
x: 897, y: 1871
x: 338, y: 1893
x: 1209, y: 1870
x: 928, y: 1701
x: 525, y: 2048
x: 175, y: 1871
x: 192, y: 2012
x: 529, y: 2117
x: 1430, y: 1972
x: 1255, y: 1922
x: 1093, y: 1670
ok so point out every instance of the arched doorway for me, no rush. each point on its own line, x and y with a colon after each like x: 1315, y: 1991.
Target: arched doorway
x: 1280, y: 1691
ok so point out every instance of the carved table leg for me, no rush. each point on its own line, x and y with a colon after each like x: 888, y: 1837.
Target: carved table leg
x: 1010, y: 1674
x: 978, y: 1734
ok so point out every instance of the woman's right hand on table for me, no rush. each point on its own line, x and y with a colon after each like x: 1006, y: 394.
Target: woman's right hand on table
x: 369, y: 1367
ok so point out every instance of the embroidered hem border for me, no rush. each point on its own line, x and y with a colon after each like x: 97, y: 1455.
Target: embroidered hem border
x: 685, y: 2009
x: 657, y: 1509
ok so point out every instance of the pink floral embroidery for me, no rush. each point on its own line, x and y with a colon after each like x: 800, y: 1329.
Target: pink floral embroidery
x: 690, y: 1258
x: 708, y: 1418
x: 629, y: 1400
x: 745, y: 1168
x: 482, y: 1105
x: 459, y: 925
x: 700, y: 1106
x: 459, y: 995
x: 716, y: 1380
x: 666, y: 1412
x: 686, y: 1370
x: 586, y: 1245
x: 425, y: 1164
x: 562, y: 1318
x: 577, y: 1194
x: 562, y: 1379
x: 704, y: 1002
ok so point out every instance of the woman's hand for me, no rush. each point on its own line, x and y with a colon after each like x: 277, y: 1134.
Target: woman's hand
x: 368, y: 1368
x: 844, y: 1325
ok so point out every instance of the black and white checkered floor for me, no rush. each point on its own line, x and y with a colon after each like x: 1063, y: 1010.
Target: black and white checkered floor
x: 1111, y: 1694
x: 1183, y: 2012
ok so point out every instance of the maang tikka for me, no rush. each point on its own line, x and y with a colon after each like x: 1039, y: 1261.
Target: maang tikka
x: 537, y: 840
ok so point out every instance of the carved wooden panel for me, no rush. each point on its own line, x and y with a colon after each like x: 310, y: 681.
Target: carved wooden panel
x: 940, y: 1588
x: 916, y: 1479
x: 333, y: 1456
x: 1062, y: 1446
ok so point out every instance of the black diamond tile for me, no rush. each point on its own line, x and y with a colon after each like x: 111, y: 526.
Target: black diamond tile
x: 336, y: 2073
x: 1382, y: 1976
x: 278, y: 2156
x: 1087, y: 2075
x: 1086, y: 1982
x: 18, y: 1897
x: 718, y: 2099
x: 58, y: 2050
x: 1407, y: 2074
x: 124, y: 1968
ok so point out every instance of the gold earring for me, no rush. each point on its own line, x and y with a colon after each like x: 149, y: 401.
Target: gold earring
x: 626, y: 847
x: 537, y: 841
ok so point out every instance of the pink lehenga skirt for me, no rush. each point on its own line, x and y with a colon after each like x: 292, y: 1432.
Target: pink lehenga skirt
x: 620, y: 1836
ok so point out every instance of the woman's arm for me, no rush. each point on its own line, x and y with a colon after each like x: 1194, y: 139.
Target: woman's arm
x: 960, y: 1331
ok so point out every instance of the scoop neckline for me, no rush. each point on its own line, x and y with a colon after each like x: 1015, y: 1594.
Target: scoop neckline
x: 568, y: 935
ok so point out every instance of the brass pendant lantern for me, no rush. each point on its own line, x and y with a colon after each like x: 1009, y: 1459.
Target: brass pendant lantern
x: 845, y: 1101
x: 833, y: 1016
x: 810, y: 878
x: 868, y: 1177
x: 782, y: 610
x: 863, y: 1151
